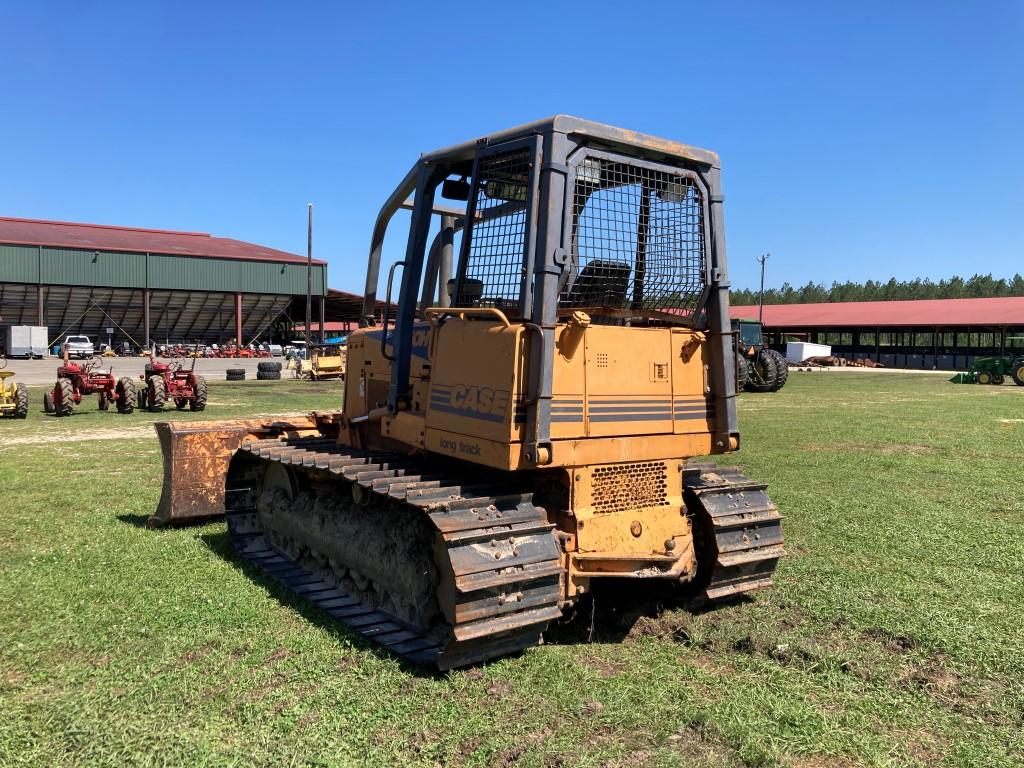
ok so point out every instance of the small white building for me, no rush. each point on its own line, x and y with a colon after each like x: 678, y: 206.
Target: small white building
x: 798, y: 351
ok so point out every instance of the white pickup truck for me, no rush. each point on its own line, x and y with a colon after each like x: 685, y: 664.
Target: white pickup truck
x: 78, y: 346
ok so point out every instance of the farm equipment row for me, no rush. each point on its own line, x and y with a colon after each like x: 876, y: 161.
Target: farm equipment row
x: 161, y: 383
x: 231, y: 351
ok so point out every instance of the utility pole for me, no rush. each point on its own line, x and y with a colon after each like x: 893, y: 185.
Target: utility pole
x: 309, y: 278
x: 760, y: 299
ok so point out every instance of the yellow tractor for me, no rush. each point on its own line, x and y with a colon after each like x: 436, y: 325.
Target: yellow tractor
x: 327, y: 361
x: 13, y: 397
x: 522, y: 427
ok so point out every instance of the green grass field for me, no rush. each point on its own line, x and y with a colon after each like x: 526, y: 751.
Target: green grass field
x: 894, y: 635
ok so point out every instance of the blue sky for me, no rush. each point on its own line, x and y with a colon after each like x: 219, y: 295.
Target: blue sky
x: 858, y: 141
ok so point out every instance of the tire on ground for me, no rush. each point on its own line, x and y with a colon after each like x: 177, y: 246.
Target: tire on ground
x: 48, y: 402
x: 235, y: 377
x: 763, y: 373
x: 236, y: 372
x: 125, y: 395
x: 268, y: 367
x: 157, y: 394
x: 104, y: 403
x: 64, y: 403
x: 199, y: 401
x: 20, y: 401
x: 742, y: 372
x: 781, y: 370
x: 1018, y: 374
x: 268, y: 375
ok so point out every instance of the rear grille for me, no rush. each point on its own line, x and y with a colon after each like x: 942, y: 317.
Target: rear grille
x: 618, y: 487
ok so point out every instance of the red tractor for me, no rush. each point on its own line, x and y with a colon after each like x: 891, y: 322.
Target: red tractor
x: 78, y: 380
x: 170, y: 381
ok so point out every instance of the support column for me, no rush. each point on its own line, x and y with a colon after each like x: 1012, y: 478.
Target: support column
x: 445, y: 266
x: 238, y: 319
x: 40, y: 308
x: 323, y: 324
x: 877, y: 345
x: 145, y: 318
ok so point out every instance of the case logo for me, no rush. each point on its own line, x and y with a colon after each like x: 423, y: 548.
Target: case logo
x: 471, y: 401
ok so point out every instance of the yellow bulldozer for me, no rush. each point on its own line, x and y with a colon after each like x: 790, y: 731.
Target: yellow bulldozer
x: 327, y: 361
x: 524, y: 426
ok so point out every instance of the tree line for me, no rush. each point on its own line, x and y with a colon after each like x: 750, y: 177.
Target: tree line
x: 975, y: 287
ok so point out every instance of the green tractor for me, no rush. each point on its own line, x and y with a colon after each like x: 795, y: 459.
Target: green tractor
x: 993, y: 370
x: 758, y: 368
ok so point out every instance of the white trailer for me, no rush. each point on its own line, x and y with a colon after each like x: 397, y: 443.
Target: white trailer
x: 798, y: 351
x: 26, y: 340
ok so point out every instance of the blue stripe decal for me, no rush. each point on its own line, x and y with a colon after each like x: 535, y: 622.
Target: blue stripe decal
x: 467, y: 413
x: 634, y: 409
x: 635, y: 417
x: 655, y: 401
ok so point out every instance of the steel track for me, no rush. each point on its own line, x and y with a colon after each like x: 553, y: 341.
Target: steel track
x: 741, y: 526
x: 504, y: 563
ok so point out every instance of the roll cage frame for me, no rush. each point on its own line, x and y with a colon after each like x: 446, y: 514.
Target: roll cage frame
x: 557, y: 145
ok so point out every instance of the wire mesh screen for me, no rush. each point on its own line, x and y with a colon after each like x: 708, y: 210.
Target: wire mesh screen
x: 638, y: 239
x: 493, y: 274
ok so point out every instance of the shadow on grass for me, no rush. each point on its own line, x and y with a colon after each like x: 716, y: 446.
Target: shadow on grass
x: 139, y: 521
x: 614, y: 607
x: 220, y: 544
x: 608, y: 615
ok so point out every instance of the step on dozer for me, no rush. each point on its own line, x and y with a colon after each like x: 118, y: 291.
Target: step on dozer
x: 522, y: 425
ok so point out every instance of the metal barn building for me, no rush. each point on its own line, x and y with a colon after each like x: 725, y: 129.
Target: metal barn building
x: 148, y: 284
x: 933, y: 333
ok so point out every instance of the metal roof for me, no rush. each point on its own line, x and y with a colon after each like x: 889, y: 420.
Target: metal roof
x: 339, y: 307
x: 102, y: 237
x: 926, y: 312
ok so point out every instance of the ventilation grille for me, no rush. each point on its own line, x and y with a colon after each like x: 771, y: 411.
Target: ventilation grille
x: 497, y: 243
x: 630, y: 486
x: 637, y: 239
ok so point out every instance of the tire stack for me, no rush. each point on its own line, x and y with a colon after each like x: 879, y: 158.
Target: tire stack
x: 236, y: 374
x: 268, y: 371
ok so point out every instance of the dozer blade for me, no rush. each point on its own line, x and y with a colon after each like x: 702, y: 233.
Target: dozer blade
x: 196, y: 458
x: 963, y: 378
